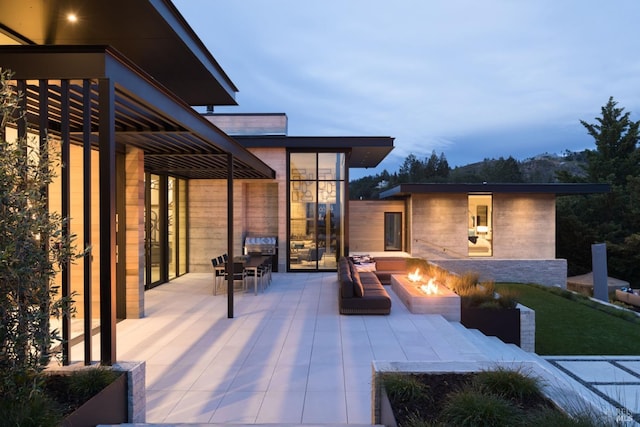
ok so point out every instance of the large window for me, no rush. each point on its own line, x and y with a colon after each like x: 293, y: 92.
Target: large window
x: 480, y: 225
x: 316, y: 210
x: 393, y: 231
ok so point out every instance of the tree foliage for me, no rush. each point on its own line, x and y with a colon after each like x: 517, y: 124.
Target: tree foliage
x: 612, y: 218
x: 33, y: 246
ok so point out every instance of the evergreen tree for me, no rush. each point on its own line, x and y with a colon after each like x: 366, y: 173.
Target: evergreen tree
x: 616, y: 156
x: 443, y: 168
x: 612, y: 218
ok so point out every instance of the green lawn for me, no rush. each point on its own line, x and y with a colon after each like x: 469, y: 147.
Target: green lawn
x: 575, y: 327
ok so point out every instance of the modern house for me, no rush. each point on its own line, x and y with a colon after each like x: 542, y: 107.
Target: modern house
x: 155, y: 189
x: 505, y: 232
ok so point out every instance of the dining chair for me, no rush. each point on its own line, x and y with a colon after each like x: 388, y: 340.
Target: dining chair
x: 239, y: 274
x: 219, y: 270
x: 263, y: 275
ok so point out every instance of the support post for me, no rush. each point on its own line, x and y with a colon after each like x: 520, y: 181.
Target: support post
x: 600, y: 275
x: 107, y: 167
x: 66, y: 211
x: 86, y: 191
x: 230, y: 235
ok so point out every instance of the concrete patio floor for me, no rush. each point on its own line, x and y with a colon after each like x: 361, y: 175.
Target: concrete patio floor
x: 288, y: 357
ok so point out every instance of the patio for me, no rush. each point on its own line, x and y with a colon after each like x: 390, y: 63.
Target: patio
x: 287, y: 356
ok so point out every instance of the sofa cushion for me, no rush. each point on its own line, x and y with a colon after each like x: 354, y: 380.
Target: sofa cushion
x: 358, y: 288
x: 345, y: 279
x: 391, y: 264
x: 369, y: 278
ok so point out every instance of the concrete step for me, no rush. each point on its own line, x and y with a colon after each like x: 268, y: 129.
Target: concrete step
x: 494, y: 348
x: 451, y: 339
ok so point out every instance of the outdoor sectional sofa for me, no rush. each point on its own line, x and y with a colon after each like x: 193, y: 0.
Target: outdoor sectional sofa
x: 360, y: 292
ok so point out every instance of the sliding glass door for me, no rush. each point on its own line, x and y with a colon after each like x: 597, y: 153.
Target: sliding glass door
x: 165, y: 228
x: 316, y: 210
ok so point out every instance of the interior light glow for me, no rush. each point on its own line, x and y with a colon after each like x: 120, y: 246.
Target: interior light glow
x: 72, y: 17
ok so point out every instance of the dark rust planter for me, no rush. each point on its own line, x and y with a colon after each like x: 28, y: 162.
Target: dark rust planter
x: 110, y: 406
x: 503, y: 323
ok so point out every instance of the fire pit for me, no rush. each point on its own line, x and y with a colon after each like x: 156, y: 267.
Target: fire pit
x: 425, y: 296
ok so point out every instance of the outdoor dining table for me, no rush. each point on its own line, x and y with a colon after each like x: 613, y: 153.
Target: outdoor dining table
x: 253, y: 263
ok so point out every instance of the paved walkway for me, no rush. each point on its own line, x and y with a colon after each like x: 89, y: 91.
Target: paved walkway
x: 615, y: 379
x: 288, y: 357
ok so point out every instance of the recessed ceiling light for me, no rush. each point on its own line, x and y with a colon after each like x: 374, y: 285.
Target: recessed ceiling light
x: 72, y: 17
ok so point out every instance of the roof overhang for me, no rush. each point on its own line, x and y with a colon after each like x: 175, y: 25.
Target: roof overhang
x: 175, y: 138
x: 366, y: 151
x: 558, y: 189
x: 151, y: 33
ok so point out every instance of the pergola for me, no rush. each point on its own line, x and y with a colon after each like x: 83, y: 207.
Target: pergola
x: 127, y: 77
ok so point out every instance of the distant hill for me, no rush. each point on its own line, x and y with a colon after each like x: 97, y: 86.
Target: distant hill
x: 541, y: 168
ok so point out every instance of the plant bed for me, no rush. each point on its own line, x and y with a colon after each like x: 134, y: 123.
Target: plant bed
x: 89, y: 397
x: 494, y: 397
x: 560, y: 395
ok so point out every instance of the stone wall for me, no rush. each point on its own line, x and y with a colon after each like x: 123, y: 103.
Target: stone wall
x: 527, y: 329
x: 548, y: 272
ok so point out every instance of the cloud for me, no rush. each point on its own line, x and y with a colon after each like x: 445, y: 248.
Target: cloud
x: 467, y: 78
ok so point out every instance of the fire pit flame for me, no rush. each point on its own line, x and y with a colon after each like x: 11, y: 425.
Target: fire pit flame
x: 415, y: 276
x: 430, y: 288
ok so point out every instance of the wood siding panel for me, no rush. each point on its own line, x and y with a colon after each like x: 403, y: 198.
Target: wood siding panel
x: 366, y: 223
x: 524, y: 226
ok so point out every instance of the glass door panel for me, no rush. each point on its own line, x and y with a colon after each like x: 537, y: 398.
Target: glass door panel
x: 172, y: 227
x: 393, y: 231
x: 182, y: 227
x: 154, y: 229
x: 480, y: 225
x: 302, y: 225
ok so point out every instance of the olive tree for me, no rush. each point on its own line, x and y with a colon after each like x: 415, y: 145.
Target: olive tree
x: 34, y: 244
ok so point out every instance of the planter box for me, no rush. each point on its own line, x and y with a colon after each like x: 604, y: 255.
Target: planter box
x: 387, y: 417
x: 565, y: 392
x: 502, y: 323
x: 110, y: 406
x: 128, y: 389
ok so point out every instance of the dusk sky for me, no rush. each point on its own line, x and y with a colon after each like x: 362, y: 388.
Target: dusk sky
x: 471, y: 79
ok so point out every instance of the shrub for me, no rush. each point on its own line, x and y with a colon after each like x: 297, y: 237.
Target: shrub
x: 403, y: 388
x: 511, y: 384
x: 34, y: 246
x: 470, y: 407
x: 464, y: 283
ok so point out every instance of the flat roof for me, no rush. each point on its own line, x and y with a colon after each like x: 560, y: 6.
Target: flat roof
x: 175, y: 138
x: 151, y: 33
x: 559, y: 189
x: 366, y: 151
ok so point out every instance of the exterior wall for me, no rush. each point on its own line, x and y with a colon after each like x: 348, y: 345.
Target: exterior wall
x: 76, y: 223
x: 250, y: 124
x: 276, y: 158
x: 134, y: 232
x: 523, y: 237
x: 439, y: 225
x: 366, y: 223
x: 548, y: 272
x: 524, y: 226
x: 134, y: 229
x: 259, y: 209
